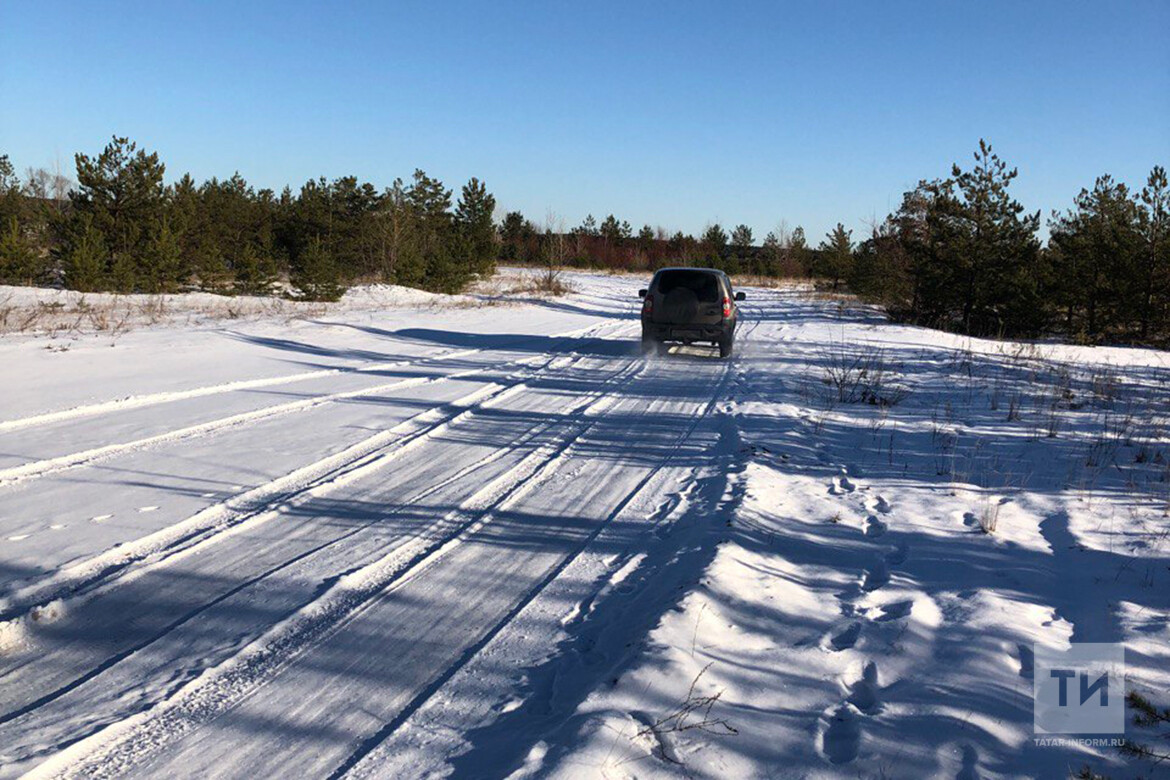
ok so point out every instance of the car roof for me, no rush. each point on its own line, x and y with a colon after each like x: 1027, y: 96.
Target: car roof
x: 690, y: 268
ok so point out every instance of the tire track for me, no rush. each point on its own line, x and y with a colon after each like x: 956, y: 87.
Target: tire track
x: 122, y: 744
x: 368, y: 746
x: 260, y: 504
x: 41, y: 468
x: 153, y: 399
x: 113, y: 659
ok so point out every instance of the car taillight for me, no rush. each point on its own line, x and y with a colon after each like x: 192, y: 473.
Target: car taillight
x: 726, y: 307
x: 647, y: 306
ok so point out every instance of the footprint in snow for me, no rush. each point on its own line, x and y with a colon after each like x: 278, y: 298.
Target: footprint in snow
x: 864, y: 694
x: 841, y: 485
x: 970, y: 768
x: 898, y: 556
x: 876, y: 575
x: 874, y: 526
x: 894, y: 611
x: 841, y: 734
x: 1027, y: 661
x: 846, y: 638
x: 883, y: 506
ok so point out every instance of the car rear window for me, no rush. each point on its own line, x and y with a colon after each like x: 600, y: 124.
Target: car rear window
x: 705, y: 286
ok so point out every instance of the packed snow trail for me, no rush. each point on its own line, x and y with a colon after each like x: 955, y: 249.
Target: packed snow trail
x: 529, y: 448
x: 500, y: 540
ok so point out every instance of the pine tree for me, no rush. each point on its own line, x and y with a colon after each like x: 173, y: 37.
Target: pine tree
x: 516, y: 234
x: 161, y: 262
x: 11, y: 198
x: 1154, y: 273
x: 996, y: 251
x: 836, y: 255
x: 19, y: 263
x: 611, y: 230
x: 741, y: 236
x: 473, y: 219
x: 255, y: 271
x: 120, y: 192
x: 713, y: 242
x: 85, y: 259
x: 773, y: 255
x: 1097, y: 248
x: 797, y: 252
x: 315, y: 273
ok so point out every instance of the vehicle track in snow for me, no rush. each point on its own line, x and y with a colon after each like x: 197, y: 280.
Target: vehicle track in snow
x: 122, y: 742
x: 663, y: 553
x: 223, y: 685
x: 352, y: 470
x: 35, y: 469
x: 153, y: 399
x: 256, y: 504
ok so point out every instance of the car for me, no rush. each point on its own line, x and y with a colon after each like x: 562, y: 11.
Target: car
x: 689, y: 305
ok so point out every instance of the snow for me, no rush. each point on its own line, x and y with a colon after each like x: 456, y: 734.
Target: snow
x: 409, y: 534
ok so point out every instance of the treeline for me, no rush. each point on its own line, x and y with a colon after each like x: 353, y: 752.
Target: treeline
x: 120, y: 228
x: 612, y: 244
x: 961, y: 254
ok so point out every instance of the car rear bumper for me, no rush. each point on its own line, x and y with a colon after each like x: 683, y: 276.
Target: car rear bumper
x: 664, y: 332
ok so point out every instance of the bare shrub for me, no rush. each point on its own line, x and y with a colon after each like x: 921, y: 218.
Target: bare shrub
x: 860, y: 376
x: 989, y: 516
x: 692, y: 714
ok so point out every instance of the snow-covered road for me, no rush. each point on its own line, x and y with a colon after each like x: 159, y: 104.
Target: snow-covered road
x: 494, y: 539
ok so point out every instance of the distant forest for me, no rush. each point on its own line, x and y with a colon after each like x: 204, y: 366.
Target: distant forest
x: 960, y: 253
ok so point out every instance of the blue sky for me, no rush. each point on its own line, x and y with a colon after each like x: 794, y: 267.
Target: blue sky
x: 672, y: 113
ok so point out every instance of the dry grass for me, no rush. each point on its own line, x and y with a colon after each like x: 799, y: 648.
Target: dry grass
x: 862, y: 375
x: 72, y: 315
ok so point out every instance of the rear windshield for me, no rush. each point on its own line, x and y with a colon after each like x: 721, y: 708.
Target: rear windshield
x: 704, y: 285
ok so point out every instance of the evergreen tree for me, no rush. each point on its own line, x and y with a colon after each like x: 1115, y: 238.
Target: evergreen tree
x: 85, y: 258
x: 773, y: 254
x: 19, y: 263
x: 881, y: 270
x: 646, y: 244
x: 430, y: 204
x: 315, y: 273
x: 996, y: 251
x: 255, y: 271
x: 611, y: 230
x: 798, y: 251
x: 516, y: 234
x: 1154, y: 264
x: 473, y: 218
x: 120, y: 193
x: 10, y: 195
x: 161, y: 262
x: 1097, y: 248
x: 713, y: 242
x: 836, y: 255
x: 741, y: 236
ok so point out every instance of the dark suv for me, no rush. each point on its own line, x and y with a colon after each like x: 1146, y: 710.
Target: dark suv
x: 689, y: 305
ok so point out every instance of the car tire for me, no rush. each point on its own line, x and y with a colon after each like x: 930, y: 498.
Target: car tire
x: 726, y: 346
